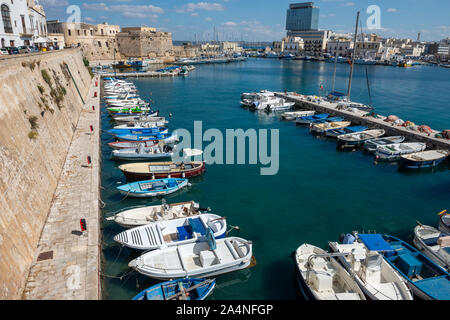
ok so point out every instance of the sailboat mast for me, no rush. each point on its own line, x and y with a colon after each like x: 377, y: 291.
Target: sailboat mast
x: 334, y: 75
x: 353, y: 58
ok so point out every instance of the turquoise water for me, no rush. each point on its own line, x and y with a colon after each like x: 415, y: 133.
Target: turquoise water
x: 318, y: 192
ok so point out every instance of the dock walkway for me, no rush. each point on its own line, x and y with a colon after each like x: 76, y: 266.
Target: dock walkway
x: 358, y: 118
x: 67, y: 262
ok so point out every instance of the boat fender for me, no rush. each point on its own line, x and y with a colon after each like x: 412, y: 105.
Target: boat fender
x: 183, y: 175
x: 169, y: 176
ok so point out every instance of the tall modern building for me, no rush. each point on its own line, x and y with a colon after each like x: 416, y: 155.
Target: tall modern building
x: 302, y: 17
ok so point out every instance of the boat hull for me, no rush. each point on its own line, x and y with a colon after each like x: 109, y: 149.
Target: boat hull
x: 410, y: 164
x: 157, y: 294
x: 138, y: 176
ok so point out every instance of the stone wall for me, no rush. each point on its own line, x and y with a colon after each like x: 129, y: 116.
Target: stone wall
x: 145, y: 43
x: 36, y: 128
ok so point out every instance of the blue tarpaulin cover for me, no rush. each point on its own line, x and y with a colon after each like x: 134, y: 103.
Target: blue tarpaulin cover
x: 375, y: 242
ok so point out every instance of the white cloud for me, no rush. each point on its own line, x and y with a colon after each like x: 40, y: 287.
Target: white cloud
x: 209, y: 19
x: 391, y: 10
x: 206, y: 6
x: 128, y: 11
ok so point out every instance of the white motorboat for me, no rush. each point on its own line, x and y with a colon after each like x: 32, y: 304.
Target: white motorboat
x: 137, y: 217
x: 321, y: 277
x: 170, y: 233
x: 296, y: 114
x: 135, y: 118
x: 255, y: 95
x: 393, y: 152
x: 444, y: 221
x: 280, y: 105
x: 434, y: 244
x: 373, y: 144
x: 376, y: 278
x: 142, y: 153
x: 201, y: 259
x: 322, y: 128
x: 358, y: 138
x: 155, y: 123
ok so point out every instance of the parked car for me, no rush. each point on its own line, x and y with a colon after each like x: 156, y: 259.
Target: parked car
x: 25, y: 49
x: 3, y: 51
x: 12, y: 50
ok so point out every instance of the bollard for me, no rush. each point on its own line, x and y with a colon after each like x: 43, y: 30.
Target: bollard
x: 95, y: 94
x: 96, y: 83
x: 89, y: 160
x: 93, y: 108
x: 92, y: 128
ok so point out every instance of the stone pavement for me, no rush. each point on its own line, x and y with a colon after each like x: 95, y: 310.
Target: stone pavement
x: 67, y: 262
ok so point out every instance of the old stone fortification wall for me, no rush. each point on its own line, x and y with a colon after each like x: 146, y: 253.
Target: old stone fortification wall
x: 39, y: 110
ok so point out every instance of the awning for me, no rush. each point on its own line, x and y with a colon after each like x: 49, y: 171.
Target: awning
x: 375, y: 242
x: 42, y: 40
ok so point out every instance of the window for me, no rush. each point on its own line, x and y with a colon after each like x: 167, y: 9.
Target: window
x: 70, y: 32
x: 24, y: 27
x: 6, y: 17
x: 99, y: 44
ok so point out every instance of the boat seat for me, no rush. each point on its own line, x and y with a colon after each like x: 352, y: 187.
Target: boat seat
x: 347, y: 296
x: 207, y: 258
x: 321, y: 281
x: 238, y: 249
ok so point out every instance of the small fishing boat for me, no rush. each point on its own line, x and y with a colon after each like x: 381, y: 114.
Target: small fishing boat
x: 322, y: 128
x: 166, y: 137
x: 151, y: 117
x: 119, y: 145
x: 329, y: 119
x: 337, y: 132
x: 310, y: 119
x: 153, y: 188
x: 141, y: 216
x: 279, y: 105
x: 434, y: 244
x: 154, y: 123
x: 321, y: 277
x: 201, y: 259
x: 141, y: 153
x: 358, y: 138
x: 425, y: 278
x: 296, y: 114
x: 135, y: 131
x: 181, y: 289
x: 444, y: 221
x: 161, y: 170
x: 373, y: 144
x: 170, y: 233
x: 130, y: 110
x: 393, y: 152
x: 376, y: 278
x: 424, y: 159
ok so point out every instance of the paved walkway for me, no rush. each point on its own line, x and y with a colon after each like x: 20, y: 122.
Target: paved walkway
x: 67, y: 262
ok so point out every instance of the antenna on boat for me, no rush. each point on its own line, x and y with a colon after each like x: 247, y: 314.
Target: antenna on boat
x: 353, y: 58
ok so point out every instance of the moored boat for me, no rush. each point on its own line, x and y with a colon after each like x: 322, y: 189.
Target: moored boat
x: 131, y: 145
x: 358, y: 138
x: 136, y: 131
x: 321, y: 277
x: 141, y: 153
x: 393, y: 152
x: 425, y: 278
x: 136, y: 217
x: 296, y: 114
x: 310, y: 119
x: 160, y: 170
x: 373, y: 144
x: 180, y: 289
x: 322, y: 128
x: 337, y: 132
x: 444, y: 221
x: 376, y: 278
x: 202, y: 259
x: 434, y: 244
x: 152, y: 188
x: 166, y: 137
x: 424, y: 159
x: 170, y: 233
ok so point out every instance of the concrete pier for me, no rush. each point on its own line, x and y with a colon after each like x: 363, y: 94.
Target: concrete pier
x: 148, y: 74
x: 358, y: 118
x: 67, y: 262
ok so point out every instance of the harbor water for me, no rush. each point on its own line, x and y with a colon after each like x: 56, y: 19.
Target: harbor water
x: 318, y: 193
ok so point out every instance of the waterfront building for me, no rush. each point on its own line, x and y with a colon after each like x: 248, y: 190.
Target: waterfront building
x: 340, y: 47
x: 97, y: 41
x: 302, y: 17
x: 443, y: 49
x: 413, y: 50
x: 368, y: 49
x: 315, y: 42
x: 145, y: 42
x: 230, y: 47
x: 23, y: 23
x: 292, y: 45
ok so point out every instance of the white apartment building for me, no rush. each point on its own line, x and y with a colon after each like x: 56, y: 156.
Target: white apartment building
x: 23, y: 22
x: 340, y: 47
x: 315, y: 42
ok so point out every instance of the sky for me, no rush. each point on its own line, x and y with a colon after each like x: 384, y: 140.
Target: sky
x: 259, y: 20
